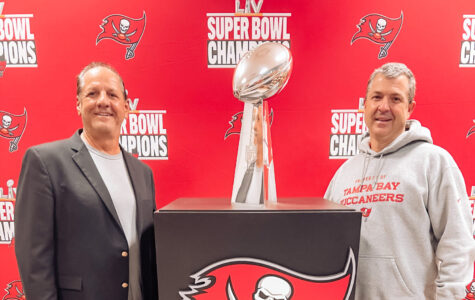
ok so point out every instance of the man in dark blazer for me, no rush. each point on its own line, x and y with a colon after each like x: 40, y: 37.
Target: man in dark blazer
x: 83, y: 231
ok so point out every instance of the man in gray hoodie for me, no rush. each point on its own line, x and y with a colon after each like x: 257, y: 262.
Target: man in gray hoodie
x: 416, y: 234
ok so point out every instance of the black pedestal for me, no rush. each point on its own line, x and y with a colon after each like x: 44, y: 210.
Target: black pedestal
x: 305, y: 248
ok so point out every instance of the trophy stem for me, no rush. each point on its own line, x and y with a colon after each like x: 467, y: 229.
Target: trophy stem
x: 254, y: 179
x: 269, y: 175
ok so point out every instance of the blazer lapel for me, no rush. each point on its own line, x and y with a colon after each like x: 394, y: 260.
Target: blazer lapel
x: 84, y: 161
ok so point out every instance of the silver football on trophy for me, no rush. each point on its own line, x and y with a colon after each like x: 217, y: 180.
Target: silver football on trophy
x: 262, y: 72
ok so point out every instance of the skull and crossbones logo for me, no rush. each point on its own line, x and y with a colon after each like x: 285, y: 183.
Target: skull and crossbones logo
x: 470, y: 290
x: 380, y: 26
x: 124, y: 26
x: 6, y: 123
x: 272, y: 287
x: 269, y: 287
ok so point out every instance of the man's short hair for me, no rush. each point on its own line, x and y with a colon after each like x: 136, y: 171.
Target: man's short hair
x: 92, y: 65
x: 394, y: 70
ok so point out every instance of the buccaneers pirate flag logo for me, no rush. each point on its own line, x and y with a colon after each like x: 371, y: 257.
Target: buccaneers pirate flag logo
x: 470, y: 290
x: 249, y: 278
x: 3, y: 65
x: 14, y: 291
x: 471, y: 130
x: 124, y: 30
x: 236, y: 123
x: 12, y: 127
x: 380, y: 30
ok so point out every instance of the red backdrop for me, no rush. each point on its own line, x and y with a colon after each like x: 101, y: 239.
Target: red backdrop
x: 186, y: 97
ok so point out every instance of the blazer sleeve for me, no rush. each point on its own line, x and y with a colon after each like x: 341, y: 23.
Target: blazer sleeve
x: 34, y: 228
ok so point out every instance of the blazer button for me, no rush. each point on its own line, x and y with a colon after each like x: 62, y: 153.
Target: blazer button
x: 125, y: 253
x: 125, y: 285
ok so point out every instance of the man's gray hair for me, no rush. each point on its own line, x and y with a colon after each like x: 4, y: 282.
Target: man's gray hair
x: 394, y: 70
x: 92, y: 65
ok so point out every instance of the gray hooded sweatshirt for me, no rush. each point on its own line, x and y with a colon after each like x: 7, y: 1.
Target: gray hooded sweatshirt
x: 416, y: 235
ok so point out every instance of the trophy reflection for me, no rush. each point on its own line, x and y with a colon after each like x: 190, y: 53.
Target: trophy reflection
x: 260, y: 74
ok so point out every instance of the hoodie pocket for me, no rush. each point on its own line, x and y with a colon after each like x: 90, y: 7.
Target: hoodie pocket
x: 380, y: 275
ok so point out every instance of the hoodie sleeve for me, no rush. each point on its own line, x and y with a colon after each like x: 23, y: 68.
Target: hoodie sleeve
x: 451, y: 220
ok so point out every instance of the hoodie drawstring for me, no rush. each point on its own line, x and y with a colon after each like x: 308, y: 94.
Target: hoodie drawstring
x: 367, y: 160
x: 380, y: 167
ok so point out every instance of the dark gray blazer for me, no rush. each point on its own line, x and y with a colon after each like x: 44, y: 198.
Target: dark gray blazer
x: 68, y: 239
